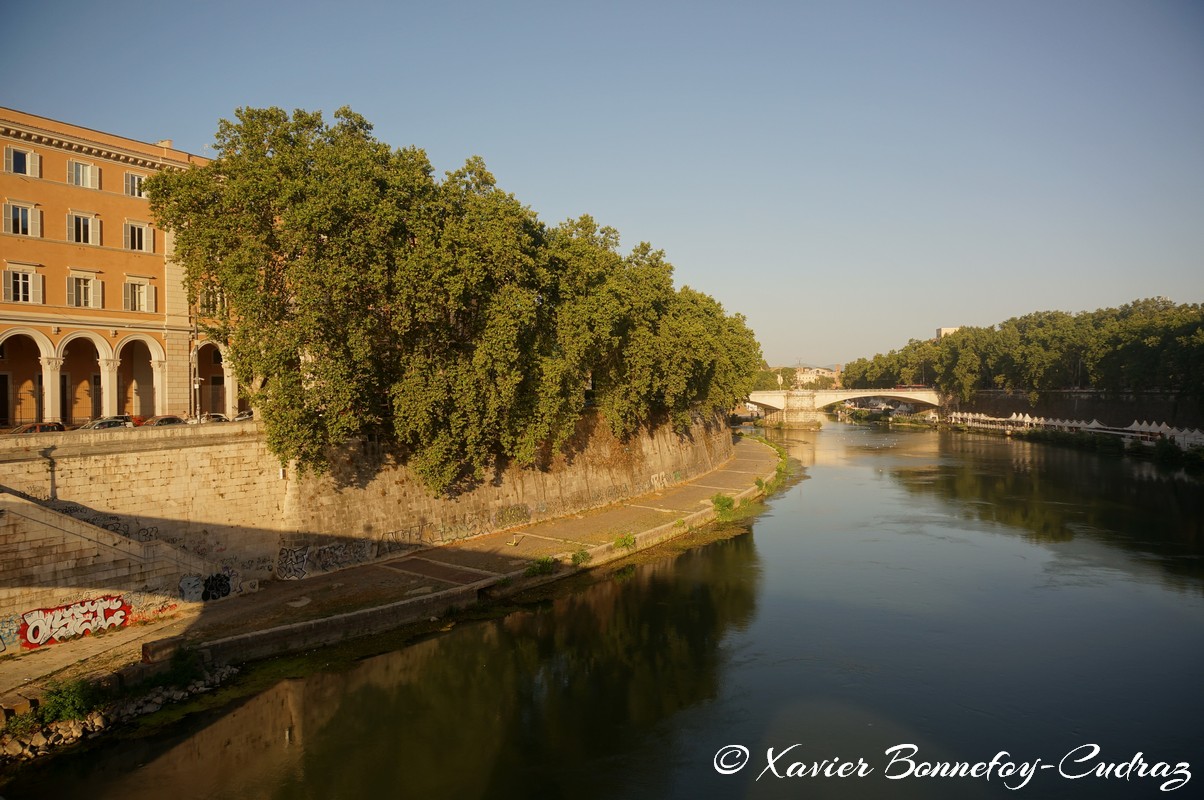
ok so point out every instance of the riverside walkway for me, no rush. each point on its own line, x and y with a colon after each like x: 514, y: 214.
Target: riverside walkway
x: 286, y: 616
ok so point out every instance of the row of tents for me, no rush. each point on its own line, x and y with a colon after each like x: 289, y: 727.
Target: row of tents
x: 1145, y: 431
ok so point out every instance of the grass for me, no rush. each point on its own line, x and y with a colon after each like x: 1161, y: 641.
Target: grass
x: 544, y: 565
x: 724, y: 505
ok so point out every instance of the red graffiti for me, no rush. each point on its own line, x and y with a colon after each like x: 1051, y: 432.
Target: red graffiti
x: 53, y: 625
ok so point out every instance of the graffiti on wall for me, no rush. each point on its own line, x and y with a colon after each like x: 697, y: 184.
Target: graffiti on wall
x: 401, y: 540
x: 290, y: 566
x: 341, y: 554
x: 52, y: 625
x: 149, y: 605
x: 195, y: 588
x: 215, y: 587
x: 9, y: 625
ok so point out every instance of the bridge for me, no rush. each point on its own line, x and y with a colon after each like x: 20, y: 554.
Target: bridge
x: 803, y: 407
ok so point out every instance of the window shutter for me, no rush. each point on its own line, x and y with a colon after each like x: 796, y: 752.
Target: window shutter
x: 37, y: 287
x: 98, y: 298
x: 8, y: 286
x: 8, y: 221
x: 150, y: 298
x: 126, y: 303
x: 126, y: 234
x: 71, y: 228
x: 70, y: 291
x: 95, y: 231
x: 95, y: 177
x: 35, y: 165
x: 129, y: 183
x: 8, y: 159
x: 149, y: 245
x: 35, y: 222
x: 70, y: 172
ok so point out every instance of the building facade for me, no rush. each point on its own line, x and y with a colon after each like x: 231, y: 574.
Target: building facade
x: 94, y: 318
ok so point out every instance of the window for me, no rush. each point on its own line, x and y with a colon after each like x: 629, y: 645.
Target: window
x: 138, y: 295
x: 22, y: 219
x: 139, y: 236
x: 211, y: 303
x: 133, y: 184
x: 81, y: 173
x: 22, y: 162
x: 83, y: 228
x: 22, y: 286
x: 85, y: 291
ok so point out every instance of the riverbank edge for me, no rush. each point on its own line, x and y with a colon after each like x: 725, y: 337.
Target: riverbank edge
x: 216, y: 657
x: 335, y: 629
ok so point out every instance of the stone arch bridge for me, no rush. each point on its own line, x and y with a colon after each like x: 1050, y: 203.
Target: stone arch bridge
x: 804, y: 407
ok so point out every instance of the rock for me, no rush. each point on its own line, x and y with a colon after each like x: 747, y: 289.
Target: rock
x: 38, y: 739
x: 151, y: 708
x: 13, y: 747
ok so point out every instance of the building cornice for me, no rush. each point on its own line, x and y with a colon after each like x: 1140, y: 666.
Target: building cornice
x: 75, y: 144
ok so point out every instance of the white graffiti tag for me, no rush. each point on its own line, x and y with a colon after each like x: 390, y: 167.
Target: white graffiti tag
x: 67, y: 622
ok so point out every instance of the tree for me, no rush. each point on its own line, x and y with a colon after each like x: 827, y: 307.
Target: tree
x: 363, y: 298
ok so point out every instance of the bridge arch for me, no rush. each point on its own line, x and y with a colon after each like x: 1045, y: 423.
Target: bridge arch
x: 821, y: 398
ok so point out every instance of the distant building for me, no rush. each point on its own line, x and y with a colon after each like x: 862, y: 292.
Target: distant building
x: 805, y: 376
x: 941, y: 333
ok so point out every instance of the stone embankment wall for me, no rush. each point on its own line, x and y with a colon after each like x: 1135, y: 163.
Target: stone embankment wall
x: 1113, y: 410
x: 62, y: 577
x: 216, y: 495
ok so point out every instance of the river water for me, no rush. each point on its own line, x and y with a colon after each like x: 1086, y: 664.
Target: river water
x: 920, y: 598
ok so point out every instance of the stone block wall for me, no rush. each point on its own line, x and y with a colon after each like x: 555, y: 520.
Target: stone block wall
x: 216, y: 493
x: 62, y: 577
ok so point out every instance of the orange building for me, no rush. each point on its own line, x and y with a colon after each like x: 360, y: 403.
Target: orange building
x: 94, y: 319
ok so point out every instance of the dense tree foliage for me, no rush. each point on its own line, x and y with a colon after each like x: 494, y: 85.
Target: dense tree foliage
x: 1144, y: 345
x: 361, y: 297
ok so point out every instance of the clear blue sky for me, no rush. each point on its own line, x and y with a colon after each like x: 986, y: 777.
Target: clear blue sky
x: 848, y: 175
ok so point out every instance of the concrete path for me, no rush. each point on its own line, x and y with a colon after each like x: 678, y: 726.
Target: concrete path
x: 402, y: 587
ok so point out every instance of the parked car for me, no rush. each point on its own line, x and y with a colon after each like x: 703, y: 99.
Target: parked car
x: 163, y: 419
x: 245, y: 415
x: 39, y: 427
x: 132, y: 420
x: 212, y: 416
x: 105, y: 423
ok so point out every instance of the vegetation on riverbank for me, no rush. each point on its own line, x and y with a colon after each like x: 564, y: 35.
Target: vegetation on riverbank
x: 1147, y: 344
x: 359, y: 297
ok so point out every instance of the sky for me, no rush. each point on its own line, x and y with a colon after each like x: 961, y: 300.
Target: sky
x: 848, y: 175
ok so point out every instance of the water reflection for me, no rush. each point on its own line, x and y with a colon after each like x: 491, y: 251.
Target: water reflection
x: 1058, y: 495
x: 964, y: 594
x: 522, y: 706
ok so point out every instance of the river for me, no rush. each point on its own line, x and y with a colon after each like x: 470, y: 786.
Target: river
x: 1030, y: 616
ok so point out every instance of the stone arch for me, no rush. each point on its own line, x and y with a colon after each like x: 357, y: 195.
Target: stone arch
x: 45, y: 346
x: 138, y: 376
x: 80, y: 377
x: 103, y: 349
x: 27, y: 355
x: 156, y: 349
x: 214, y: 387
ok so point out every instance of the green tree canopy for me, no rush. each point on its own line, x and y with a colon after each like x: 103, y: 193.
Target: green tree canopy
x: 361, y: 297
x: 1143, y: 345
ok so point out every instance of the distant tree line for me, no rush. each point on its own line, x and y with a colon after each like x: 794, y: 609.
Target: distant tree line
x: 1144, y: 345
x: 358, y: 296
